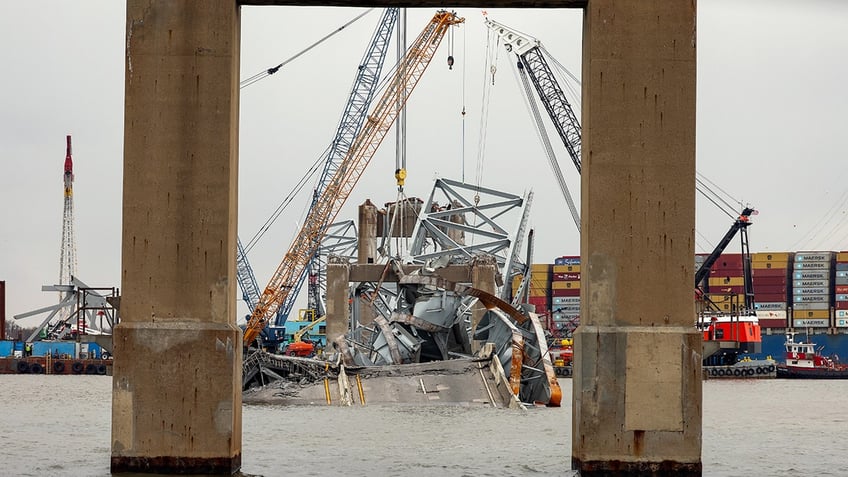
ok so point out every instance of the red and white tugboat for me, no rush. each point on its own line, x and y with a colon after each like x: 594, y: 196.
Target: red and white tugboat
x: 804, y: 360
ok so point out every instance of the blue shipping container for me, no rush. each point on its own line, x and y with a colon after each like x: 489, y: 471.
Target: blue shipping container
x: 6, y: 348
x: 60, y: 348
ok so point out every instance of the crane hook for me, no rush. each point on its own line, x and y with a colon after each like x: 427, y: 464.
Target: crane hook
x: 400, y: 176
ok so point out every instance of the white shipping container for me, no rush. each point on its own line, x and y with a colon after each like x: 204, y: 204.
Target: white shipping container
x: 813, y: 256
x: 564, y: 316
x: 810, y: 291
x: 811, y: 306
x: 565, y: 300
x: 811, y: 322
x: 812, y: 266
x: 773, y: 314
x: 566, y: 309
x: 811, y: 299
x: 810, y: 283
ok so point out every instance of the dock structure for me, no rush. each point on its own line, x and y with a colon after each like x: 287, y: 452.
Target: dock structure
x: 177, y: 401
x: 637, y: 357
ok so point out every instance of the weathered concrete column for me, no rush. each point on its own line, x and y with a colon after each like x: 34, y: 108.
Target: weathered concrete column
x: 483, y: 270
x: 176, y: 397
x: 366, y: 253
x: 367, y: 238
x: 637, y: 379
x: 338, y: 286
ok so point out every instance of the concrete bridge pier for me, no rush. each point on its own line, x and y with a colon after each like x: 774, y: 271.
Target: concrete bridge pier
x: 637, y: 379
x: 176, y: 393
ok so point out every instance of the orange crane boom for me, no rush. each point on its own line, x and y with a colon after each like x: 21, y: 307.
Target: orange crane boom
x: 330, y: 202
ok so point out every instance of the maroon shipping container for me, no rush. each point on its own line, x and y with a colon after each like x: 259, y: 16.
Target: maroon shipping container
x: 769, y: 289
x: 769, y: 272
x: 772, y: 322
x: 769, y: 281
x: 728, y: 261
x: 558, y: 277
x: 770, y: 297
x: 727, y: 272
x: 538, y: 300
x: 566, y: 292
x: 840, y: 305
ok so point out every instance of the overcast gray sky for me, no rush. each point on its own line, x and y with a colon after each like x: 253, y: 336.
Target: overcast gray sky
x: 770, y: 120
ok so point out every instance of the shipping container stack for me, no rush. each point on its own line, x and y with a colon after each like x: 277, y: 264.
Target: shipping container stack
x: 565, y: 293
x: 726, y: 282
x: 811, y: 290
x: 540, y: 286
x: 841, y: 292
x: 770, y: 272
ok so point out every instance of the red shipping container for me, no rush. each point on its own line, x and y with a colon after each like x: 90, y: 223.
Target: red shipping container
x: 538, y: 300
x: 558, y: 277
x: 726, y: 272
x: 772, y: 322
x: 769, y: 289
x: 768, y: 281
x: 842, y: 289
x: 770, y: 297
x: 566, y: 292
x: 771, y: 272
x: 728, y: 261
x: 841, y: 305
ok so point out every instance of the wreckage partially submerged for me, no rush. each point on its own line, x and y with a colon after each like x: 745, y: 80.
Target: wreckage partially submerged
x: 424, y: 340
x: 413, y: 335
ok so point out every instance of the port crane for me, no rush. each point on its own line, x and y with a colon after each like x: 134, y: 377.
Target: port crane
x: 343, y: 178
x: 740, y: 226
x: 534, y: 69
x: 353, y: 117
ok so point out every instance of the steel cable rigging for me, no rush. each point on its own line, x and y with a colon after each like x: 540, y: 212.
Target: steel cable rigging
x: 264, y: 74
x: 813, y: 238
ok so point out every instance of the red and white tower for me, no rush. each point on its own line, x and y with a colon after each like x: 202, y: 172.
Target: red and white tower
x: 68, y: 259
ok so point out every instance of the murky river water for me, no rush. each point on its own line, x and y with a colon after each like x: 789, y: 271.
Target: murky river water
x: 60, y: 426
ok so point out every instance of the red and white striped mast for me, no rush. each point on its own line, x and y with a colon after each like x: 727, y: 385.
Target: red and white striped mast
x: 68, y: 255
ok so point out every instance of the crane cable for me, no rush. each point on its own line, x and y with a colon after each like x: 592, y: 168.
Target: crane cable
x: 832, y: 214
x: 541, y: 133
x: 710, y: 194
x: 264, y: 74
x: 286, y: 201
x: 462, y: 151
x: 491, y: 63
x: 574, y: 95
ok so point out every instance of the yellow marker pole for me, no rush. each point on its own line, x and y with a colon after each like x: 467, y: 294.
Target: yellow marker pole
x: 361, y: 392
x: 327, y: 384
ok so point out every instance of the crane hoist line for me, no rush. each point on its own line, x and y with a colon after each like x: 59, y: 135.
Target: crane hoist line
x: 533, y: 65
x: 330, y: 201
